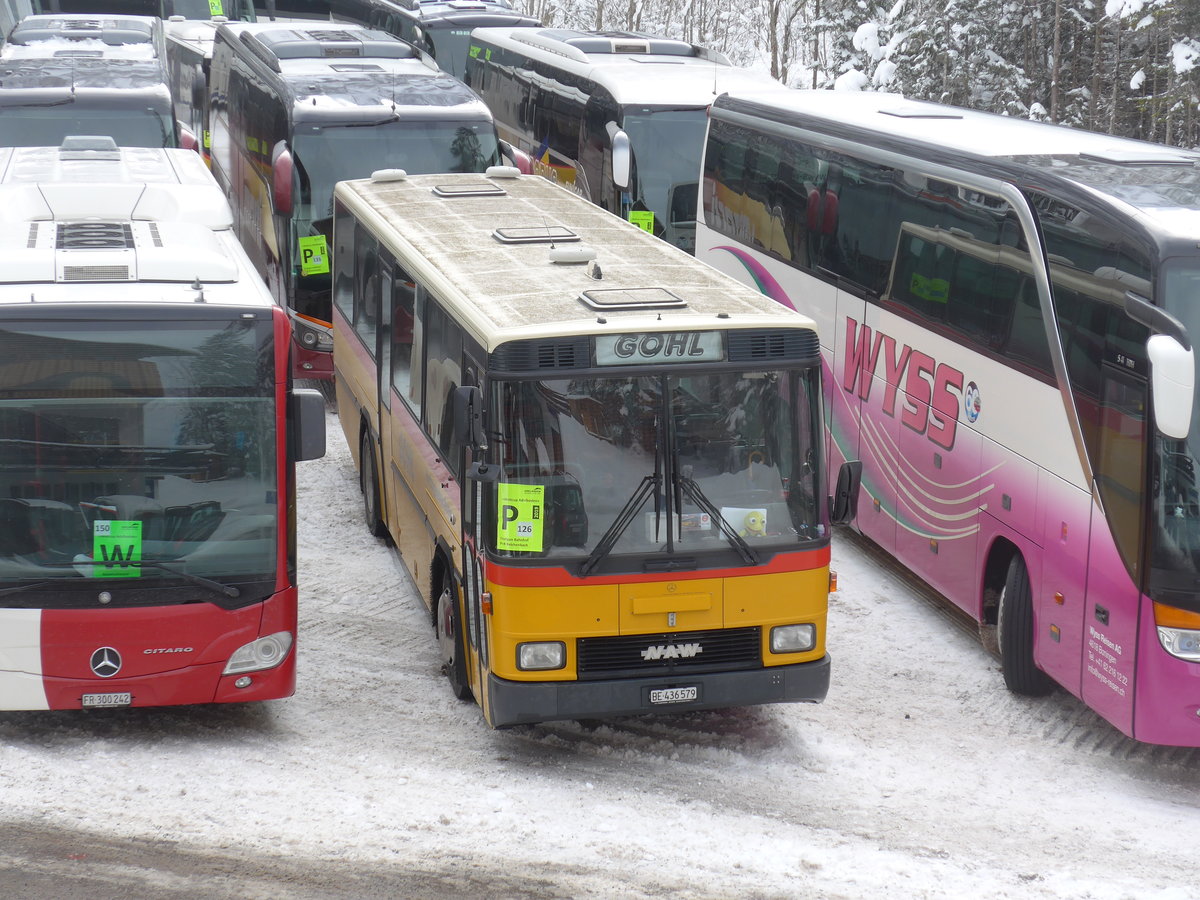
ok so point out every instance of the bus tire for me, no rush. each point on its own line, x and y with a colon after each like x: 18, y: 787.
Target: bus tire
x: 1014, y: 632
x: 450, y: 645
x: 370, y: 488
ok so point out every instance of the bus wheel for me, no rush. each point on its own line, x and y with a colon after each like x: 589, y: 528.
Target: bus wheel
x: 1014, y: 631
x: 370, y: 488
x: 454, y: 664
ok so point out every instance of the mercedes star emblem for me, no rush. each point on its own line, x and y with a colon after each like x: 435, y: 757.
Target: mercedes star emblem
x: 106, y: 662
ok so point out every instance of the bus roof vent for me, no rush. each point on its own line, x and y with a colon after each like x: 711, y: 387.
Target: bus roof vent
x: 95, y: 273
x: 113, y: 31
x: 94, y: 236
x: 79, y: 54
x: 551, y: 41
x: 540, y: 355
x: 911, y: 110
x: 325, y: 43
x: 470, y: 189
x: 759, y: 345
x: 632, y: 298
x: 534, y: 234
x: 89, y: 146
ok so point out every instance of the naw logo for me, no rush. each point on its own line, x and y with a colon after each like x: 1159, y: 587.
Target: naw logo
x: 672, y: 651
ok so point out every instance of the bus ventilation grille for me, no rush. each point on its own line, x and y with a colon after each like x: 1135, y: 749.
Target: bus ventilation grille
x: 766, y: 344
x: 95, y: 273
x: 676, y: 653
x: 535, y: 356
x: 94, y: 236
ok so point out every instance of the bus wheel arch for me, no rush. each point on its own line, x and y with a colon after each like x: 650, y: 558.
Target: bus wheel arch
x: 368, y: 482
x: 1015, y: 631
x: 447, y: 619
x: 995, y: 573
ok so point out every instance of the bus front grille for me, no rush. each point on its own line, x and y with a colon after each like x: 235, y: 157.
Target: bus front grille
x: 669, y: 654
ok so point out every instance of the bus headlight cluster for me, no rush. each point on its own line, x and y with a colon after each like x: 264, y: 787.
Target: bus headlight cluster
x: 313, y: 338
x: 793, y: 638
x: 541, y: 655
x: 1180, y: 642
x: 265, y: 653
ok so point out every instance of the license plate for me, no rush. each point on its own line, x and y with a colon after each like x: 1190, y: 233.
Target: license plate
x: 673, y: 695
x: 99, y: 701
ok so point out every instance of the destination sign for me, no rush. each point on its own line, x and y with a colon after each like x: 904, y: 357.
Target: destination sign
x: 669, y: 347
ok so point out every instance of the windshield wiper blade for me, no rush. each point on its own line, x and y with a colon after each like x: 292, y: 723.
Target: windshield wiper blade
x: 620, y: 523
x: 693, y: 492
x: 225, y: 590
x: 27, y: 587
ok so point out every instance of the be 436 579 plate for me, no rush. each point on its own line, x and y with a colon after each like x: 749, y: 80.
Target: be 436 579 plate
x: 674, y: 694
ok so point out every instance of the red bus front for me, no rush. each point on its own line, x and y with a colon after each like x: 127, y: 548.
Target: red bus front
x: 146, y: 506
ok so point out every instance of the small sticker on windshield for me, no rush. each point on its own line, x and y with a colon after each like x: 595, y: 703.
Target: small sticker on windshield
x: 314, y: 255
x: 215, y: 7
x: 519, y: 520
x: 643, y: 219
x: 115, y: 544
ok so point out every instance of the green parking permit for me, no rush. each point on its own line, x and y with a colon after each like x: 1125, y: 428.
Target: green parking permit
x: 215, y: 7
x: 314, y: 255
x: 519, y: 522
x: 643, y: 219
x: 115, y: 544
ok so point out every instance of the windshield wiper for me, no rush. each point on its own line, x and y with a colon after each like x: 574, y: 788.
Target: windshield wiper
x: 692, y: 491
x: 621, y: 522
x: 26, y: 587
x: 225, y: 590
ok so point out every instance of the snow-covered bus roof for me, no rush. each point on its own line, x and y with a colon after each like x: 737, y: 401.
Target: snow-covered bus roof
x: 92, y: 213
x: 479, y: 242
x: 339, y: 70
x: 84, y: 37
x: 634, y: 68
x: 1158, y: 182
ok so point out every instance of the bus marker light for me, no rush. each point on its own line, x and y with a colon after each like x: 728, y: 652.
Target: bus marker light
x: 541, y: 655
x: 793, y: 638
x: 1059, y: 598
x: 485, y: 603
x: 833, y: 586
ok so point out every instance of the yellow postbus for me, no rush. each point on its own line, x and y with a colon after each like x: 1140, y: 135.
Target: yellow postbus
x: 599, y: 459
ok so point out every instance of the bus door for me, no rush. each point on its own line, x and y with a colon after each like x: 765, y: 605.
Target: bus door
x: 474, y: 588
x: 843, y: 211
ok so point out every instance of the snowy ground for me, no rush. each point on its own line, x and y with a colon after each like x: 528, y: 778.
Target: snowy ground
x: 919, y: 777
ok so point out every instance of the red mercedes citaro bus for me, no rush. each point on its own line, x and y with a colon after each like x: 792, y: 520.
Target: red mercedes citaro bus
x: 148, y: 435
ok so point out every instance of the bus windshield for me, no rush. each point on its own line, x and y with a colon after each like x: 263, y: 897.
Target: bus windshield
x: 137, y: 454
x: 1176, y: 495
x: 46, y: 126
x: 667, y: 145
x: 736, y: 452
x: 327, y: 154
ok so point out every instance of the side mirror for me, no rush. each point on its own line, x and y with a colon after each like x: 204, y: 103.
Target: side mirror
x: 843, y: 505
x: 468, y: 416
x: 522, y: 160
x: 308, y: 422
x: 622, y: 155
x: 187, y: 140
x: 1172, y: 384
x: 282, y: 170
x: 1172, y: 365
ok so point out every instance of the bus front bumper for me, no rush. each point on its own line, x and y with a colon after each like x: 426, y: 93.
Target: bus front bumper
x: 518, y: 703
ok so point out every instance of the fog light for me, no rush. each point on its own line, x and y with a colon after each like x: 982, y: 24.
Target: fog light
x: 265, y: 653
x: 1180, y: 642
x: 793, y: 638
x: 243, y: 682
x: 542, y: 655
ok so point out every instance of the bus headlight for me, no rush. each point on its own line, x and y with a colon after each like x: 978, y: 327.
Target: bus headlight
x: 1180, y: 642
x: 311, y: 338
x: 541, y: 655
x: 265, y: 653
x: 793, y: 638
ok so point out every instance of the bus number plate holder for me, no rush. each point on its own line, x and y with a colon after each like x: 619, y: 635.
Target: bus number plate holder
x: 685, y: 694
x: 104, y: 701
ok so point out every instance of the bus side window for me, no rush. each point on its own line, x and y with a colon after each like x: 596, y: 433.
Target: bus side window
x: 366, y: 290
x: 343, y: 262
x: 406, y: 340
x: 443, y: 373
